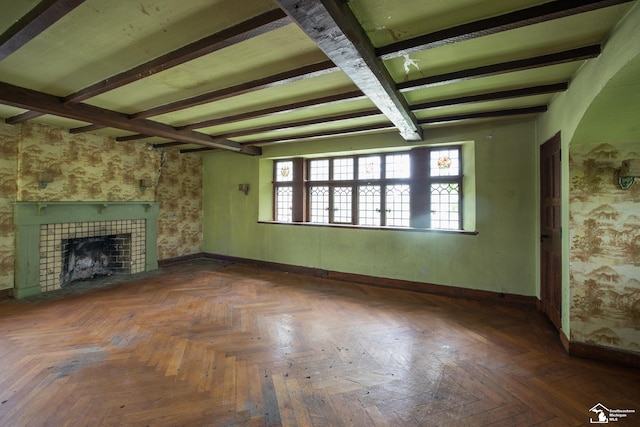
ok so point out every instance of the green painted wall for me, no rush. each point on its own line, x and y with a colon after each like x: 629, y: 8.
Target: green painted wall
x: 500, y: 258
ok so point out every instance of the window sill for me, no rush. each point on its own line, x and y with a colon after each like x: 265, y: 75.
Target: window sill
x: 362, y: 227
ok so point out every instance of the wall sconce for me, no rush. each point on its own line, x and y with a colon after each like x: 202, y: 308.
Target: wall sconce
x: 244, y: 188
x: 144, y: 184
x: 629, y: 171
x: 44, y: 178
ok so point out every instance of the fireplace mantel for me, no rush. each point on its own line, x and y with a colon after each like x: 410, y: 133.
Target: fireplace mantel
x: 29, y: 216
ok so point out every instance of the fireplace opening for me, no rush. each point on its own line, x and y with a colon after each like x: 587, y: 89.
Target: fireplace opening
x: 90, y: 257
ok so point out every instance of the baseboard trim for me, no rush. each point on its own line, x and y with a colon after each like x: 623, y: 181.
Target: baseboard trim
x: 564, y: 340
x: 175, y: 260
x: 604, y: 354
x: 442, y: 290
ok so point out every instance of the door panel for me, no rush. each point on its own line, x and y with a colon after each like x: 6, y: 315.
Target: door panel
x: 551, y: 231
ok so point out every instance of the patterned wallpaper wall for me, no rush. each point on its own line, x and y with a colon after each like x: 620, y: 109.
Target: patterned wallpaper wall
x: 89, y: 167
x: 8, y: 192
x: 605, y: 248
x: 180, y: 196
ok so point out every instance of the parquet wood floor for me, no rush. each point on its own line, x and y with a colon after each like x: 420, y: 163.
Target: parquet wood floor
x: 212, y: 344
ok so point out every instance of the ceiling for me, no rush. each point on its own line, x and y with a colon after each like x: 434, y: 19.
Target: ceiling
x: 206, y: 74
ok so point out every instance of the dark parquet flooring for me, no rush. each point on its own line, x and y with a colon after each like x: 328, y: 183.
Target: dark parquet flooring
x: 205, y: 343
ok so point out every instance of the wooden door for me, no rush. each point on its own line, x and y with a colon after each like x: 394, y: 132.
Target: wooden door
x: 550, y: 231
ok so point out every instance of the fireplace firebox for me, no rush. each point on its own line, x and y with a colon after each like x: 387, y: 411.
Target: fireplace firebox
x: 89, y: 257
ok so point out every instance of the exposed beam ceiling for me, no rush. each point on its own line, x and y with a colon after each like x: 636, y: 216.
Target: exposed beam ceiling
x: 306, y: 72
x: 496, y: 24
x: 334, y: 28
x: 504, y: 67
x: 253, y: 27
x: 38, y: 19
x: 49, y: 104
x: 335, y: 48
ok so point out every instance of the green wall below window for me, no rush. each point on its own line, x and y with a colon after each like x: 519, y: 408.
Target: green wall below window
x: 500, y: 258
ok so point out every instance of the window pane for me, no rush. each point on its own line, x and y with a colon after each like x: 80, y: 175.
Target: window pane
x: 369, y: 167
x: 369, y: 205
x: 445, y: 162
x: 342, y: 204
x: 319, y: 204
x: 398, y: 166
x: 343, y: 169
x: 284, y: 171
x: 284, y: 197
x: 319, y: 170
x: 398, y: 206
x: 445, y: 206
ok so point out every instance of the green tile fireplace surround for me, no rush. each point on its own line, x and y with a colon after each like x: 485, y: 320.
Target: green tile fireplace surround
x: 30, y: 216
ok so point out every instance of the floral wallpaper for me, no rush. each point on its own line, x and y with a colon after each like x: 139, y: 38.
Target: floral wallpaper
x: 8, y: 190
x: 87, y: 167
x: 605, y: 248
x: 180, y: 196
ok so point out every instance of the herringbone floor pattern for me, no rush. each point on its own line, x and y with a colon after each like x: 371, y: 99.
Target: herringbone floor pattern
x: 209, y: 344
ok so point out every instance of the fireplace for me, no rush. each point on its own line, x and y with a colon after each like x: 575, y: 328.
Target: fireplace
x: 83, y: 250
x: 89, y: 257
x: 60, y: 242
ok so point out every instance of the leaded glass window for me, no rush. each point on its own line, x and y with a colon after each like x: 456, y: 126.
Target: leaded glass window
x: 373, y: 190
x: 398, y: 166
x: 319, y: 170
x: 342, y: 203
x: 398, y: 205
x: 284, y: 205
x: 319, y: 203
x: 284, y: 171
x: 445, y: 205
x: 369, y: 167
x: 343, y: 169
x: 369, y: 205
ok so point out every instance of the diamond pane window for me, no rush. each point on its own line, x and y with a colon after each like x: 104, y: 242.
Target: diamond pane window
x: 319, y: 204
x: 342, y: 205
x: 445, y: 162
x: 369, y: 167
x: 284, y: 205
x: 369, y: 205
x: 343, y: 169
x: 445, y: 206
x: 398, y: 166
x: 398, y: 205
x: 319, y: 170
x: 284, y: 171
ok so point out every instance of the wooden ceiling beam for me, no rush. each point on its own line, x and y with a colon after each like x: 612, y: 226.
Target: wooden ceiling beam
x: 37, y: 101
x: 301, y: 123
x: 306, y: 72
x: 134, y: 137
x: 334, y: 132
x: 253, y: 27
x: 23, y: 117
x: 483, y: 97
x: 335, y: 30
x: 493, y: 96
x: 484, y: 27
x: 485, y: 114
x: 383, y: 126
x: 578, y: 54
x: 38, y: 19
x: 168, y: 144
x: 87, y: 128
x: 280, y: 109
